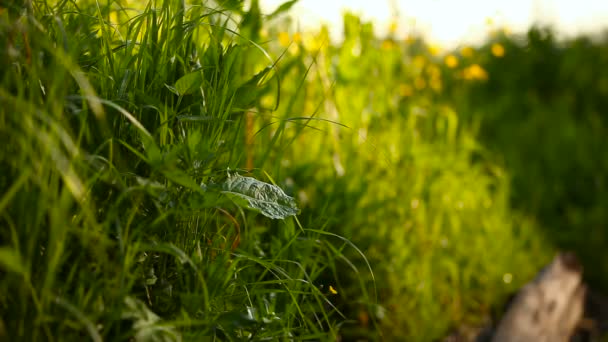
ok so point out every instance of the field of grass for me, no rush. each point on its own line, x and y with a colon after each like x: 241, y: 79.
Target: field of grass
x: 196, y: 171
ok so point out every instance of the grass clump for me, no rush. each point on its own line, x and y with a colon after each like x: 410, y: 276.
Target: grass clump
x: 120, y: 126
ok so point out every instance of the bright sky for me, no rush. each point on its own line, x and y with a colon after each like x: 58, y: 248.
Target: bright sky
x: 452, y: 22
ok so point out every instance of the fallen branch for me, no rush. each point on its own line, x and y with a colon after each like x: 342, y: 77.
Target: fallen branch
x: 549, y: 308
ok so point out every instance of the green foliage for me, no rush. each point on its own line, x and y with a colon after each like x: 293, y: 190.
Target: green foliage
x: 458, y: 174
x: 268, y: 199
x: 112, y: 118
x: 543, y: 110
x: 409, y: 184
x: 414, y: 191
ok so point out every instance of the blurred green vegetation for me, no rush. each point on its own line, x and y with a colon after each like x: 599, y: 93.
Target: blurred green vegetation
x: 409, y: 183
x: 543, y: 113
x: 431, y: 184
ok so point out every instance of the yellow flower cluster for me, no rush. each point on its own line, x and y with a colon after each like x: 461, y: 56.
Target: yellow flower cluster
x: 474, y: 72
x: 285, y: 40
x: 434, y: 80
x: 428, y: 75
x: 315, y: 42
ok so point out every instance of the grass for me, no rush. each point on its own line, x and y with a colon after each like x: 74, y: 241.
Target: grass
x: 119, y: 126
x: 408, y: 182
x: 152, y: 152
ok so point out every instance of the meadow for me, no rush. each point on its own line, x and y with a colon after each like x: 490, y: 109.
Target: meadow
x: 192, y: 171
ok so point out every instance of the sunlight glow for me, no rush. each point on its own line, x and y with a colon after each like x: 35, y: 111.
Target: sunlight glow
x: 449, y: 22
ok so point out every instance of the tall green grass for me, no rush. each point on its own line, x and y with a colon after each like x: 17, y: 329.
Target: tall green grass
x: 406, y: 180
x: 127, y: 127
x: 119, y: 124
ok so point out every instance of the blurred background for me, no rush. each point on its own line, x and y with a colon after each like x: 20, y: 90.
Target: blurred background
x: 451, y: 23
x: 475, y: 148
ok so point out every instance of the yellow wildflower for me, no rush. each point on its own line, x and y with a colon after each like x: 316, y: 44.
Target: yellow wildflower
x: 434, y: 49
x: 387, y: 44
x: 419, y: 83
x: 498, y: 50
x: 433, y: 71
x: 475, y: 72
x: 451, y: 61
x: 393, y: 27
x: 419, y: 62
x: 435, y: 84
x: 297, y: 37
x: 405, y: 90
x: 113, y: 18
x: 313, y: 42
x: 332, y: 290
x: 489, y: 21
x: 284, y: 39
x: 467, y: 51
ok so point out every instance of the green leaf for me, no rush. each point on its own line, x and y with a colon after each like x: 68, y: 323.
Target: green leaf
x: 153, y: 153
x: 232, y: 5
x: 286, y: 6
x: 172, y: 89
x: 252, y: 22
x: 195, y: 118
x: 188, y: 83
x: 268, y: 199
x: 10, y: 260
x: 248, y: 92
x: 182, y: 178
x: 147, y: 324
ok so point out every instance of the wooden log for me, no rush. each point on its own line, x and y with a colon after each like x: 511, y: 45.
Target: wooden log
x: 548, y: 308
